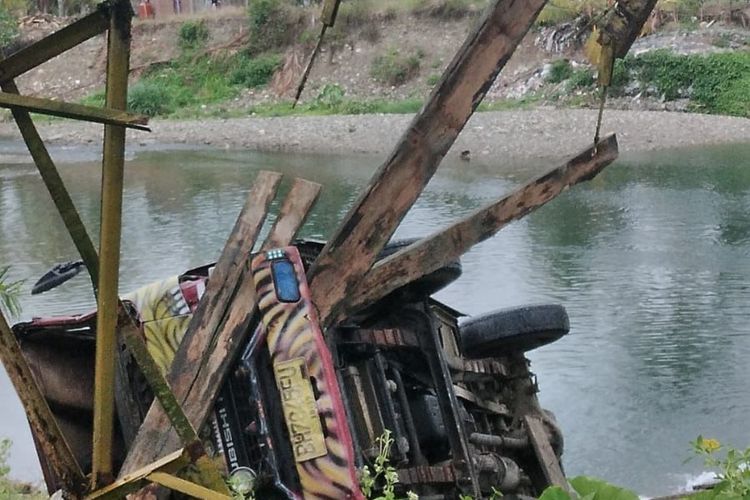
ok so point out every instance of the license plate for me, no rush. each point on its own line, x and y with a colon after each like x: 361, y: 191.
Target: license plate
x: 300, y: 411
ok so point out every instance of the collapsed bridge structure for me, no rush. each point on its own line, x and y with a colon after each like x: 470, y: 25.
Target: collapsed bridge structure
x: 310, y: 330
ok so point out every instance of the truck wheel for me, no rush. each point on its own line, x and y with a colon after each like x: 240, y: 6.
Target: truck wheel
x: 507, y: 331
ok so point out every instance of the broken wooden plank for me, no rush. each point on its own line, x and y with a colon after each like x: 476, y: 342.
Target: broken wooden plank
x: 54, y: 183
x: 239, y: 322
x: 55, y: 44
x: 625, y: 24
x: 108, y: 116
x: 207, y: 472
x: 546, y: 457
x: 442, y: 247
x: 190, y: 489
x: 118, y: 490
x: 398, y: 183
x: 113, y: 166
x: 236, y: 327
x: 41, y: 420
x: 202, y: 336
x: 295, y: 209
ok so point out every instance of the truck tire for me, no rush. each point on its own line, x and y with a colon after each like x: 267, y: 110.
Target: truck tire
x: 507, y: 331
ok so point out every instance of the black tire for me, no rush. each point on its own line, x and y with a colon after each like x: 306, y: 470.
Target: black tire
x: 508, y: 331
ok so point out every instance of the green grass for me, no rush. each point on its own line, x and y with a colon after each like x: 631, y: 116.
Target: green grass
x: 14, y: 490
x: 714, y: 83
x: 184, y: 85
x: 395, y: 67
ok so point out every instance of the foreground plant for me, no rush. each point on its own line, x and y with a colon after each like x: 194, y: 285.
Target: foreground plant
x: 10, y: 489
x: 382, y: 476
x: 588, y: 488
x: 9, y: 293
x: 733, y: 469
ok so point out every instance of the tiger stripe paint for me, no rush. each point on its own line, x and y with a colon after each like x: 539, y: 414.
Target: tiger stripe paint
x: 293, y: 332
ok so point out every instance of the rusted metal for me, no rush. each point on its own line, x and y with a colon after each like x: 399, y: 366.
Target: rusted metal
x: 395, y: 187
x: 74, y: 111
x: 433, y: 252
x: 118, y: 61
x: 428, y: 474
x: 444, y: 390
x: 43, y: 424
x: 504, y: 442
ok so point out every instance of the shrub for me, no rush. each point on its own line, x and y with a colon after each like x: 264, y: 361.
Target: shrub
x: 713, y: 82
x: 560, y: 71
x: 273, y: 25
x: 734, y: 469
x: 9, y: 303
x: 8, y: 27
x: 330, y: 97
x: 193, y: 35
x: 255, y: 72
x: 581, y: 78
x: 394, y: 68
x: 448, y: 9
x: 150, y: 98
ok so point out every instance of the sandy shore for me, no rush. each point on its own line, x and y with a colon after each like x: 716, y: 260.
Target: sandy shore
x: 539, y: 133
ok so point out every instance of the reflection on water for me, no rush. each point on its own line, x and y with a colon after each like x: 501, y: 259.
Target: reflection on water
x: 650, y: 259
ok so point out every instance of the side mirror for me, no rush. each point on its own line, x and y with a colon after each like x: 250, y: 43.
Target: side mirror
x: 56, y: 276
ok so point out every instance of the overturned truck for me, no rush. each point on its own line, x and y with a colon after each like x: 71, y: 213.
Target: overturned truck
x: 297, y: 369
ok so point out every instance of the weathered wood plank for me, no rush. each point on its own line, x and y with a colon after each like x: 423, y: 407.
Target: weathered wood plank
x: 442, y: 247
x: 54, y: 183
x: 118, y: 490
x: 206, y: 334
x: 625, y: 24
x: 62, y: 109
x: 548, y: 461
x: 43, y: 424
x: 55, y: 44
x: 294, y: 211
x: 400, y: 180
x: 239, y: 321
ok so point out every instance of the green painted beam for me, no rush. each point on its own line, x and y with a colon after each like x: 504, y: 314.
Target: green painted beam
x: 108, y: 116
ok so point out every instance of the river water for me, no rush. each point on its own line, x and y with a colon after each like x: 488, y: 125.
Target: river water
x: 650, y: 259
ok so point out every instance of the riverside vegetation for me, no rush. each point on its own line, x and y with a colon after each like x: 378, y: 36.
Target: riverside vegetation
x: 204, y: 81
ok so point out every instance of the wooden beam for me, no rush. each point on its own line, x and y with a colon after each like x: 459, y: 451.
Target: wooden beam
x: 236, y: 326
x: 54, y: 183
x: 546, y: 457
x: 118, y: 490
x: 297, y: 204
x: 625, y: 24
x: 41, y: 420
x: 193, y: 490
x: 62, y: 109
x: 398, y: 183
x: 207, y: 472
x: 55, y: 44
x: 201, y: 337
x: 118, y: 61
x: 442, y: 247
